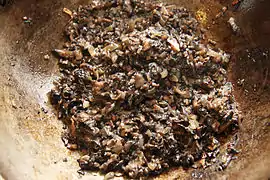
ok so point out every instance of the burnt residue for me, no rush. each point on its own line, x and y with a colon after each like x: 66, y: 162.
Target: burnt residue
x: 3, y: 2
x: 251, y: 73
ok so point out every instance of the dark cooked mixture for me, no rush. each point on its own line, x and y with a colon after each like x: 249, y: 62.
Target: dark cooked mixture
x: 140, y: 92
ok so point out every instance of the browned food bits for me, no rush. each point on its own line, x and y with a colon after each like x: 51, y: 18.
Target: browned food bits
x: 139, y: 92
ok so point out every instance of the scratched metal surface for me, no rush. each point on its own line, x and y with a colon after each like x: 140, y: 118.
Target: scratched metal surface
x: 30, y: 144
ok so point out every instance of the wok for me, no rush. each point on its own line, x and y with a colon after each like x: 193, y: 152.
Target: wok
x: 30, y: 143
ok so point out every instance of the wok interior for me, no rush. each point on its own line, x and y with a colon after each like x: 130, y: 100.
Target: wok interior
x: 30, y: 142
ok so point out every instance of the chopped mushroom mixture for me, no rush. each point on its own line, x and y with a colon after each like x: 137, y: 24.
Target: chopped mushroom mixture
x: 139, y: 91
